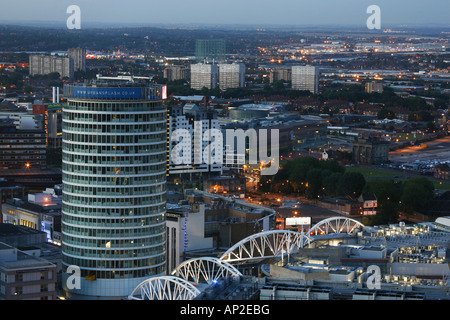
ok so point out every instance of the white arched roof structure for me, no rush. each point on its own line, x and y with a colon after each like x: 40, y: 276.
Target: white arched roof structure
x: 164, y: 288
x: 335, y: 225
x: 266, y: 244
x: 205, y: 269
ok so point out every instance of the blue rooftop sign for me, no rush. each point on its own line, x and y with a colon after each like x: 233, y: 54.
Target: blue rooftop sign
x: 107, y: 93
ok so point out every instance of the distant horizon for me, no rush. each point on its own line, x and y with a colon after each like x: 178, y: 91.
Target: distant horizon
x: 89, y: 25
x: 288, y: 13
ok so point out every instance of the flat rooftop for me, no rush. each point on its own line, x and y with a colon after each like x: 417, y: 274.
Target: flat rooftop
x: 7, y: 229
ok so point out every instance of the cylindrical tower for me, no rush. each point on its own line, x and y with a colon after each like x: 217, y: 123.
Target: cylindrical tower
x: 114, y: 187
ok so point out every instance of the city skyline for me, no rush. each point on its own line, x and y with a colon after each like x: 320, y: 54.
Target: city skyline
x: 236, y: 152
x: 263, y: 13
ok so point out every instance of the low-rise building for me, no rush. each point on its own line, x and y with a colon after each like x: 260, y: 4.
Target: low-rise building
x: 26, y: 276
x: 369, y: 204
x: 370, y: 151
x: 225, y: 185
x: 442, y: 171
x: 207, y: 223
x: 40, y: 211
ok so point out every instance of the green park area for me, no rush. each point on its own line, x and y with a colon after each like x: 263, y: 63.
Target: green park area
x: 396, y: 191
x: 370, y: 173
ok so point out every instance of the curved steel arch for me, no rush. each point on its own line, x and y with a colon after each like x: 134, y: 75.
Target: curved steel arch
x: 205, y: 269
x: 335, y: 225
x: 164, y: 288
x: 266, y: 244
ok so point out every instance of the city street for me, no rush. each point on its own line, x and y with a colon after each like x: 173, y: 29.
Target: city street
x: 438, y: 149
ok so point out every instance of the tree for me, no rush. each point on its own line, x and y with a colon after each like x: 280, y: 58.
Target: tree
x: 330, y: 183
x: 416, y: 194
x: 388, y: 213
x: 386, y: 114
x: 28, y: 89
x: 385, y: 190
x: 314, y: 183
x: 351, y: 184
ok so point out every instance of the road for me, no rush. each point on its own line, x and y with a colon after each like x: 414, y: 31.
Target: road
x: 438, y: 149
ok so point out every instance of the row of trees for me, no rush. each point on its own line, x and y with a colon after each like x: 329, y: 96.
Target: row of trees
x: 393, y: 197
x: 314, y: 178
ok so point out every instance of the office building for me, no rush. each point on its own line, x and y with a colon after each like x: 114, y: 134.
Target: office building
x: 227, y: 185
x: 24, y: 275
x: 173, y: 73
x: 78, y: 55
x: 305, y: 78
x: 231, y: 75
x: 42, y: 64
x: 296, y: 133
x: 52, y: 115
x: 114, y: 185
x: 21, y: 148
x: 196, y: 119
x: 204, y: 76
x: 20, y: 115
x: 253, y: 111
x: 210, y: 50
x: 9, y: 191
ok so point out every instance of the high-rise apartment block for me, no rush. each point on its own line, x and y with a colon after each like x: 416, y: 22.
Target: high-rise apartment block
x: 197, y: 120
x: 78, y: 55
x: 231, y: 75
x: 204, y: 75
x: 305, y: 78
x: 46, y: 64
x: 114, y: 185
x: 277, y: 74
x: 172, y: 73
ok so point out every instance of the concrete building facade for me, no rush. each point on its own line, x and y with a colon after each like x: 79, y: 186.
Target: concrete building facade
x: 204, y: 76
x: 41, y: 64
x: 305, y: 78
x: 231, y: 75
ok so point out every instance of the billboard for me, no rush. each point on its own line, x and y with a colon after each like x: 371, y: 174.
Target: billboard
x: 164, y: 92
x: 107, y: 93
x: 300, y: 221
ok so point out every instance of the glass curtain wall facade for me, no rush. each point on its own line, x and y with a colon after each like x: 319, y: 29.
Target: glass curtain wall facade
x: 114, y: 188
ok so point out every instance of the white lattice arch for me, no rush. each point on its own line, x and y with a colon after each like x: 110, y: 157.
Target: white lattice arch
x: 205, y: 269
x: 164, y: 288
x: 266, y: 244
x: 335, y: 225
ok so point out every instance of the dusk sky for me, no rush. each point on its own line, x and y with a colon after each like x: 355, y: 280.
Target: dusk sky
x: 261, y: 12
